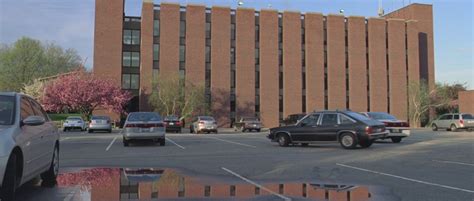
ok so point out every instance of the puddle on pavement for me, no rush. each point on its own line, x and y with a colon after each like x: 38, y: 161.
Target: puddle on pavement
x: 137, y: 184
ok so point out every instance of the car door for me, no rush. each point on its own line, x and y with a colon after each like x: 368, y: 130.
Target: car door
x: 306, y: 129
x: 328, y: 127
x: 30, y: 141
x: 47, y: 133
x: 447, y: 120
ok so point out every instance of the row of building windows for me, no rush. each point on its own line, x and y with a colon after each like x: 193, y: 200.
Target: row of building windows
x: 131, y: 37
x: 131, y: 59
x: 130, y: 81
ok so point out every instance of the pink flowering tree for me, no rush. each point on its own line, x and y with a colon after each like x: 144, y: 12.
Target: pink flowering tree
x: 84, y: 93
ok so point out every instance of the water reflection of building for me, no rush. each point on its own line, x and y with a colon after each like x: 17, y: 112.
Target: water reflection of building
x: 150, y: 184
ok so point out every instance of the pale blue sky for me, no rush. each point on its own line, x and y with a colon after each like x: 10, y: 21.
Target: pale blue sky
x: 70, y: 23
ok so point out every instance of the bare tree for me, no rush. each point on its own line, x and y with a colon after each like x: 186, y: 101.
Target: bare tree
x: 173, y: 95
x: 422, y: 99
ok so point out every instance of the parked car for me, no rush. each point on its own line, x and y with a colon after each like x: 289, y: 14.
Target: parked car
x: 248, y: 124
x: 100, y: 123
x: 29, y: 144
x: 453, y: 122
x: 346, y: 127
x: 74, y: 122
x: 173, y: 124
x: 292, y: 119
x: 144, y: 126
x: 398, y: 129
x: 203, y: 124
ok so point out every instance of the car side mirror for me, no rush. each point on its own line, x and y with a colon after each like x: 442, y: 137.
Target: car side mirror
x: 34, y: 121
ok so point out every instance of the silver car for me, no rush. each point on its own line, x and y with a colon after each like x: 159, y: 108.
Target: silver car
x: 29, y: 144
x: 203, y: 124
x: 100, y: 123
x: 453, y: 122
x: 144, y: 126
x: 74, y: 122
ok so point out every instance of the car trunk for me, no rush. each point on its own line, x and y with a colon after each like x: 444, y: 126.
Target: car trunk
x: 143, y: 126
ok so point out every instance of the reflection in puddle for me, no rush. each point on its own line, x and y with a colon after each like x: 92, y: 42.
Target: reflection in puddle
x: 123, y: 184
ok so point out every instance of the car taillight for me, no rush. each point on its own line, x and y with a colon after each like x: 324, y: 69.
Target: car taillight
x: 178, y: 123
x: 130, y: 126
x: 201, y: 122
x: 461, y: 121
x: 368, y: 130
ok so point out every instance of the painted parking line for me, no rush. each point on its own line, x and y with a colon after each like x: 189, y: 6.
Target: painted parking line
x: 228, y: 141
x: 454, y: 162
x: 255, y: 184
x: 406, y: 178
x: 111, y: 143
x: 66, y: 138
x: 175, y: 143
x: 70, y: 196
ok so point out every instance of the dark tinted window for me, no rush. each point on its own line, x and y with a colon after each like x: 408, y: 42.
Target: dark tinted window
x: 26, y: 109
x: 358, y: 116
x: 456, y: 116
x: 206, y: 118
x: 329, y: 119
x: 343, y: 119
x: 467, y: 116
x: 74, y: 119
x: 381, y: 116
x: 311, y: 120
x: 7, y: 110
x: 144, y: 116
x: 100, y: 117
x: 449, y: 117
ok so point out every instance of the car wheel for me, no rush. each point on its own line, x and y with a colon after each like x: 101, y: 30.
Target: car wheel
x: 191, y: 129
x: 163, y: 142
x: 11, y: 180
x: 215, y: 131
x: 283, y: 140
x: 90, y: 131
x: 258, y: 130
x: 64, y: 129
x: 453, y: 128
x: 110, y: 131
x: 125, y: 142
x: 304, y: 144
x: 49, y: 177
x: 348, y: 141
x: 366, y: 143
x: 434, y: 127
x: 396, y: 139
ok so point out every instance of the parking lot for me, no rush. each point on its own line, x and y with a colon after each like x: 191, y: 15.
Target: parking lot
x: 426, y: 166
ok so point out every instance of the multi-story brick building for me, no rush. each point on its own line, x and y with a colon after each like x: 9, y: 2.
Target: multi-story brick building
x: 268, y: 63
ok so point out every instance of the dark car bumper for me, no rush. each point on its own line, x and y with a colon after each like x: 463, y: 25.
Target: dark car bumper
x: 173, y: 128
x: 375, y: 136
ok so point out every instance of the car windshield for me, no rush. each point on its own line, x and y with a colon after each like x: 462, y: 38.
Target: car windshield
x: 206, y: 118
x: 171, y: 118
x: 74, y: 119
x: 7, y: 110
x: 467, y: 116
x: 381, y: 116
x: 144, y: 116
x: 100, y: 118
x: 357, y: 116
x: 250, y: 119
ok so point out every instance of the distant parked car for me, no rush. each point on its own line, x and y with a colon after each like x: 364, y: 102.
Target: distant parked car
x: 248, y: 124
x: 453, y: 122
x: 74, y: 122
x: 100, y: 123
x: 346, y: 127
x: 144, y: 126
x: 29, y: 144
x: 203, y: 124
x: 398, y: 129
x: 173, y: 124
x: 291, y: 119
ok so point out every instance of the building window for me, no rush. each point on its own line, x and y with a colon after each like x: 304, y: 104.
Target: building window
x: 130, y: 81
x: 257, y: 56
x: 232, y: 55
x: 257, y: 35
x: 208, y: 53
x: 208, y: 30
x: 182, y: 53
x: 156, y: 52
x: 155, y: 73
x: 182, y: 29
x: 135, y: 59
x: 156, y: 28
x: 131, y: 59
x: 232, y: 31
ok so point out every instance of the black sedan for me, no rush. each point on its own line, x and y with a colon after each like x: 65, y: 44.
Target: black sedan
x: 346, y: 127
x: 173, y: 124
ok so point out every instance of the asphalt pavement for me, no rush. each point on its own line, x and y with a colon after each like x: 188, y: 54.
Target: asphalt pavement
x: 425, y: 166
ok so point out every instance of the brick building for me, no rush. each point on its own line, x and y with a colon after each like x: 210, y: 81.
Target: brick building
x: 268, y: 63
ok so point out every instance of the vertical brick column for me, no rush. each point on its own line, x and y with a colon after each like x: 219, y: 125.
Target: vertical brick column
x: 336, y: 62
x: 357, y: 64
x: 269, y: 68
x: 220, y: 64
x: 195, y: 44
x: 413, y: 58
x: 169, y: 39
x: 377, y: 65
x: 146, y: 55
x: 314, y: 49
x: 397, y: 68
x: 245, y: 63
x: 292, y: 64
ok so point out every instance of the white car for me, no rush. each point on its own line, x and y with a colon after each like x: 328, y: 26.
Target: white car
x: 144, y: 126
x: 29, y: 144
x: 74, y: 122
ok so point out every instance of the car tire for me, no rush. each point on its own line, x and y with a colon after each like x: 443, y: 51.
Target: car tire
x: 49, y: 177
x: 162, y: 142
x: 453, y: 128
x: 110, y: 130
x: 348, y: 141
x: 366, y: 143
x: 64, y: 129
x: 10, y: 181
x: 215, y: 131
x: 283, y: 140
x: 304, y: 144
x: 191, y: 130
x: 90, y: 131
x: 125, y: 143
x: 434, y: 127
x: 258, y: 130
x: 396, y: 139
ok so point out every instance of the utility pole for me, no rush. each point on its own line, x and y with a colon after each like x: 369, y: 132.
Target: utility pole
x: 381, y: 12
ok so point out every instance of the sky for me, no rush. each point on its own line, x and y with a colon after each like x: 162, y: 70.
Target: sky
x: 70, y: 24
